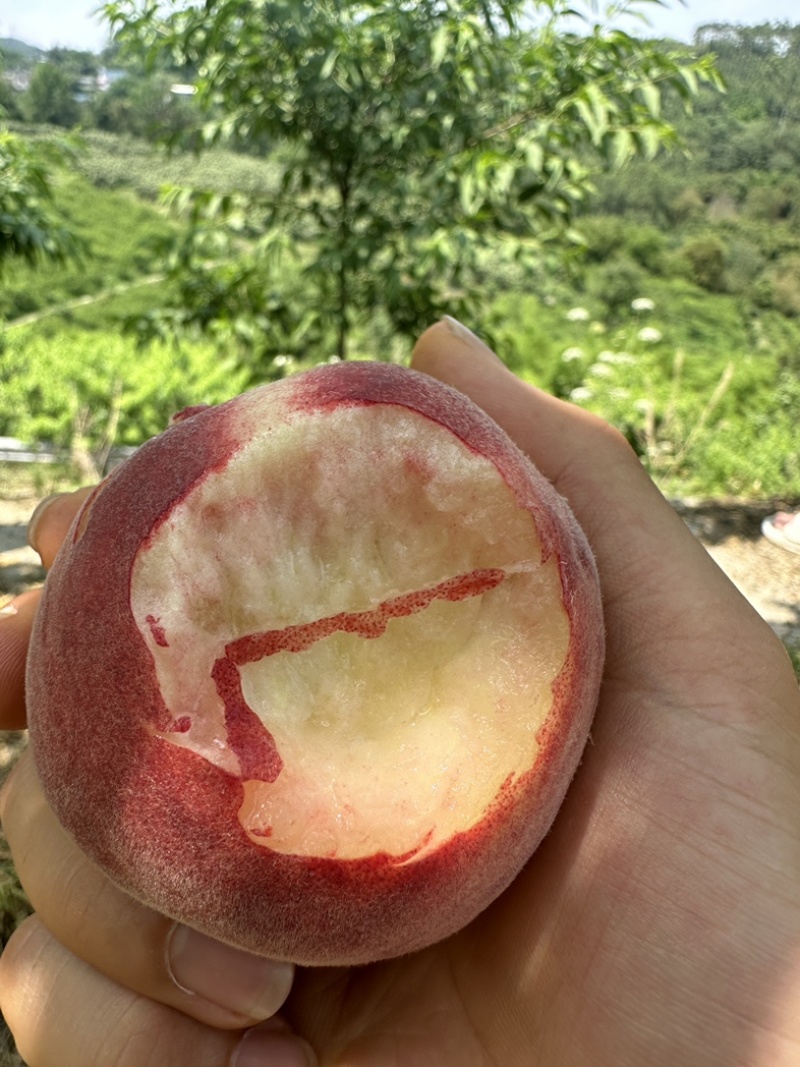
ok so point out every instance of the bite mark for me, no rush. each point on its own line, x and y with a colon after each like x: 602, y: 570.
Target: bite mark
x: 249, y: 738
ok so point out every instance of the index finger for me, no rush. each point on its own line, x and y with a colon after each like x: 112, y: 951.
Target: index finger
x: 52, y: 519
x: 46, y: 531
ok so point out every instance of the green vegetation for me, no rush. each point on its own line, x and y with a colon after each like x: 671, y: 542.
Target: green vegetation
x: 29, y: 227
x: 424, y: 139
x: 86, y: 394
x: 672, y: 307
x: 116, y: 231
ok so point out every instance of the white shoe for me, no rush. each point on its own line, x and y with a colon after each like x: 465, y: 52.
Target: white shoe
x: 783, y: 529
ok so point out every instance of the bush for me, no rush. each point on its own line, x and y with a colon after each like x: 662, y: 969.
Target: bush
x: 705, y: 259
x: 617, y: 284
x: 780, y: 287
x: 85, y: 393
x: 770, y: 203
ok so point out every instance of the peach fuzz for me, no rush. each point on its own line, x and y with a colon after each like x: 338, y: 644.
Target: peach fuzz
x: 314, y: 668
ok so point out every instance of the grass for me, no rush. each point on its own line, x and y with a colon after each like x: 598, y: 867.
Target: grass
x: 711, y: 414
x: 118, y: 231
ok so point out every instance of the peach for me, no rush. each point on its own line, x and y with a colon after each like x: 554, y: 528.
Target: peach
x: 314, y: 668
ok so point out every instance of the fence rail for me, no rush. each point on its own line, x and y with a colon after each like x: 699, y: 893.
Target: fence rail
x: 14, y: 451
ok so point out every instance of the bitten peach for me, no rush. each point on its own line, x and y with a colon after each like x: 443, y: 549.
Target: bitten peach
x: 314, y: 668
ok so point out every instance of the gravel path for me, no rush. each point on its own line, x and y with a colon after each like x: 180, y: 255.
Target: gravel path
x: 768, y: 576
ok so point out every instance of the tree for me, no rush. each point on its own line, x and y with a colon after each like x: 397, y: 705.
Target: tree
x: 51, y: 96
x: 706, y: 258
x: 142, y: 106
x: 9, y: 97
x: 420, y: 136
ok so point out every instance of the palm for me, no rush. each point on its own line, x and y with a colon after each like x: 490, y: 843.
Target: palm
x: 657, y: 875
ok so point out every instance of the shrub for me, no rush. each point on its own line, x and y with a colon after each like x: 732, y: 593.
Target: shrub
x: 85, y: 393
x: 705, y: 258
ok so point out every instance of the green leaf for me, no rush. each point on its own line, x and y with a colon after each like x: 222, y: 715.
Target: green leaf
x: 416, y: 136
x: 623, y: 147
x: 652, y: 98
x: 440, y: 44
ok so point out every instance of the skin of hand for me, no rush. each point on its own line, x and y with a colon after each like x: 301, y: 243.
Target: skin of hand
x: 657, y: 925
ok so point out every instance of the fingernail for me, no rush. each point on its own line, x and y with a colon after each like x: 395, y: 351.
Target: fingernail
x: 464, y: 334
x: 248, y: 985
x: 263, y: 1047
x: 35, y: 520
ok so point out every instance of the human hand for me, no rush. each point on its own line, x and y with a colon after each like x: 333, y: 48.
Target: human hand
x: 94, y: 977
x: 659, y: 922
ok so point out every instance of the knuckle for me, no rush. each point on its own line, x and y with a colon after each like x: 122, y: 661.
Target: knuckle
x: 22, y: 977
x: 9, y: 791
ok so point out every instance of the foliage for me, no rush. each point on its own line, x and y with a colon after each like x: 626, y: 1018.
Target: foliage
x: 85, y: 394
x: 619, y: 283
x: 635, y: 235
x: 422, y: 136
x: 126, y: 162
x: 705, y: 256
x: 51, y: 97
x: 116, y: 233
x: 29, y: 227
x: 143, y: 107
x: 707, y: 413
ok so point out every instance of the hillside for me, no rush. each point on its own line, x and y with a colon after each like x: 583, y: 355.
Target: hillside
x: 678, y: 318
x: 10, y: 46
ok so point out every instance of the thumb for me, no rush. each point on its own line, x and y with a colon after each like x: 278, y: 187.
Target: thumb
x: 660, y: 586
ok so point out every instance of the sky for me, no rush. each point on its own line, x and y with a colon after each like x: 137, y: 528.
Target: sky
x: 72, y: 24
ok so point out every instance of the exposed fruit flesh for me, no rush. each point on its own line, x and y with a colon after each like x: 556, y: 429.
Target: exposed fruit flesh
x: 373, y: 596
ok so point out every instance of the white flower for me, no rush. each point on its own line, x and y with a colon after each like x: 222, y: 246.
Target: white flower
x: 601, y: 370
x: 597, y: 327
x: 282, y: 361
x: 578, y: 315
x: 649, y: 334
x: 580, y: 394
x: 643, y: 303
x: 569, y: 354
